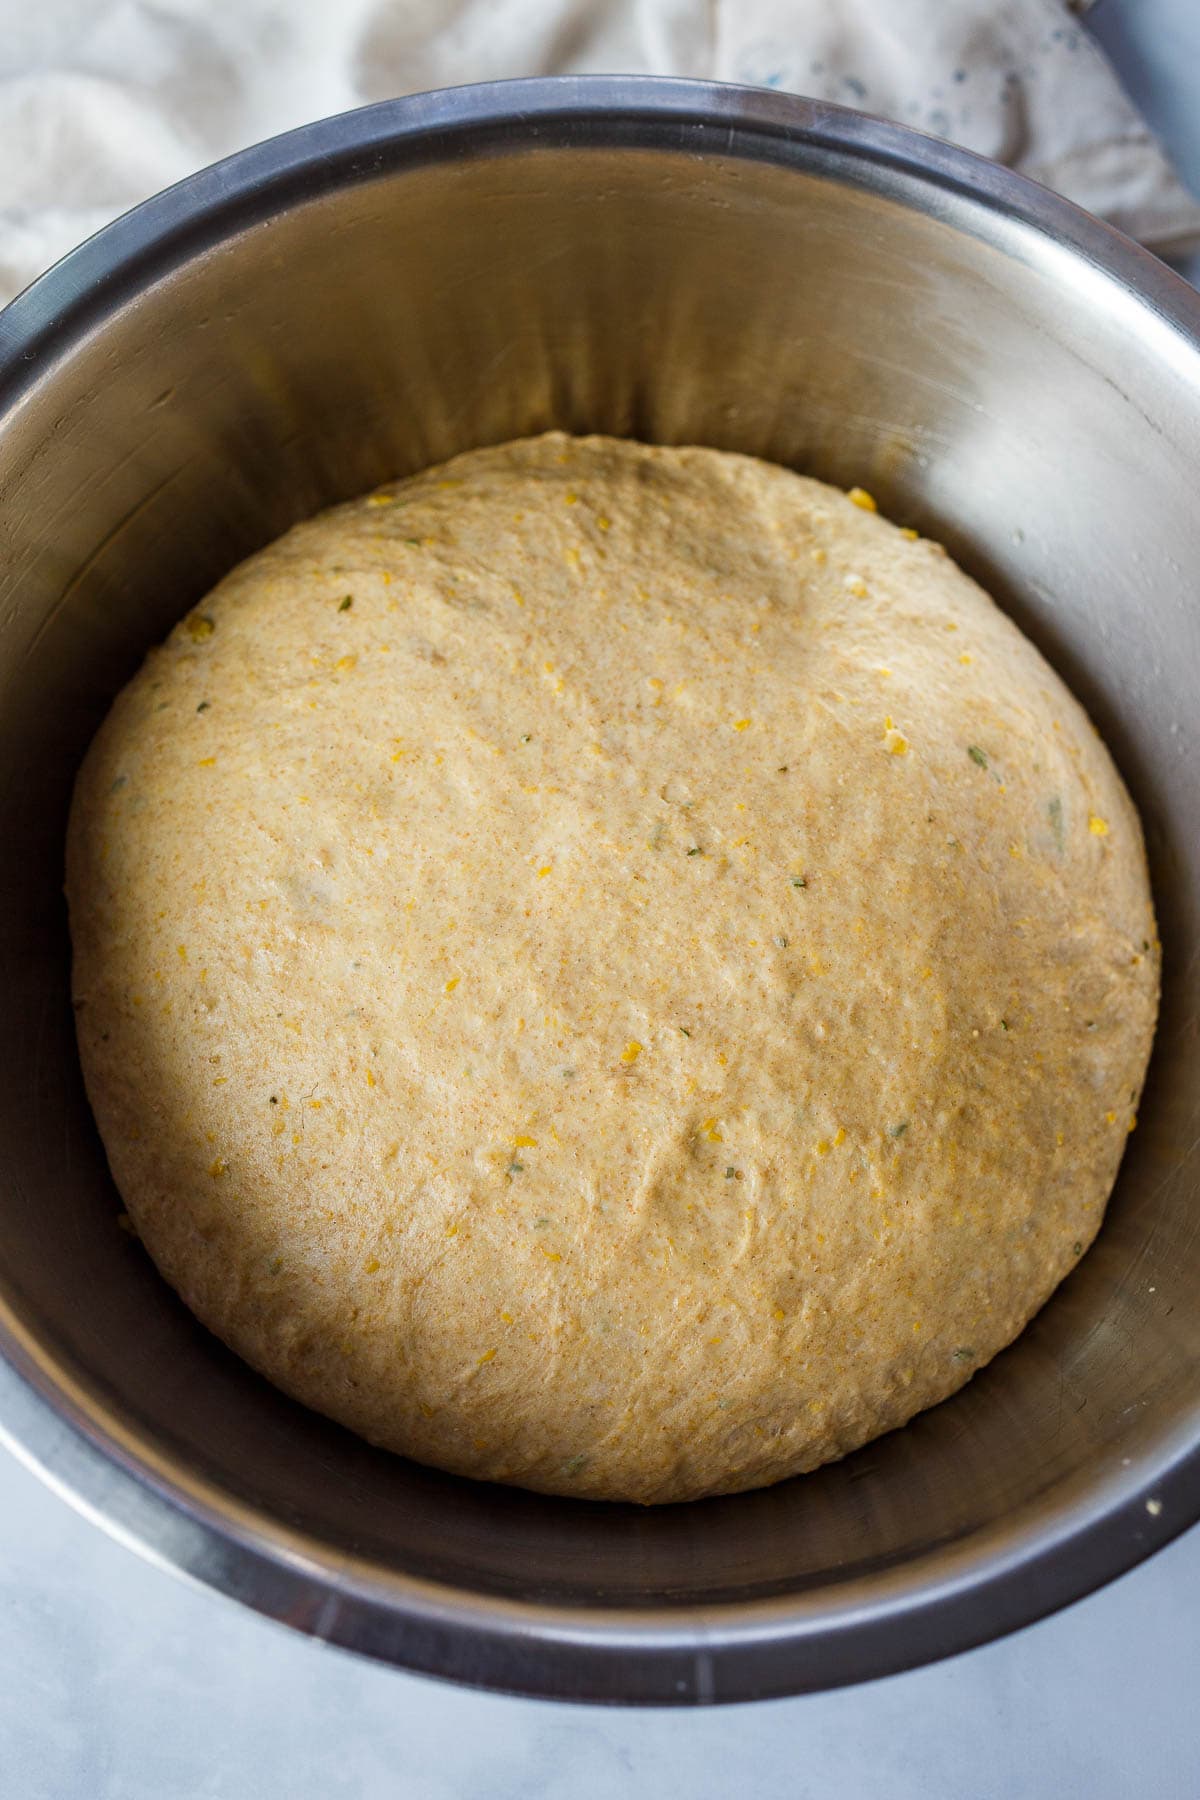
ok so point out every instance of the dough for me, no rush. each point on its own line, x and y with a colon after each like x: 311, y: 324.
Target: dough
x: 610, y: 969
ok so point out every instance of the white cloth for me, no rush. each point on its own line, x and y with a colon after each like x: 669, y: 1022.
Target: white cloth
x: 104, y: 101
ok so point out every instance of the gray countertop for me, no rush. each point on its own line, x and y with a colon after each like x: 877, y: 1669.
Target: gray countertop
x: 118, y: 1682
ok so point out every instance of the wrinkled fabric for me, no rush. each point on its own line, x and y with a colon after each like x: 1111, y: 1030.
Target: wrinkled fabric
x: 103, y: 102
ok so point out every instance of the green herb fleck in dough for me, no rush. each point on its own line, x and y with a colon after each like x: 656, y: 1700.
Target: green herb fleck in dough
x: 203, y: 706
x: 345, y: 603
x: 900, y: 1129
x: 1054, y: 812
x: 695, y: 850
x: 799, y: 881
x: 977, y: 755
x: 964, y: 1353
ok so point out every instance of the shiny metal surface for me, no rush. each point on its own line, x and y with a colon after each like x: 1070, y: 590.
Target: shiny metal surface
x: 678, y: 262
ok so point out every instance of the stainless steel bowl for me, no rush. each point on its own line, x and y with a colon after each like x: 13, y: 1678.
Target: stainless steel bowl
x: 684, y: 263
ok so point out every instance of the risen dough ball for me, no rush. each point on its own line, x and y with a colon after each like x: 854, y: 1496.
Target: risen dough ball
x: 611, y: 969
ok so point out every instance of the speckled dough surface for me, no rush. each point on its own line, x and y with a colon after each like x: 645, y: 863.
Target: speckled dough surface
x: 607, y: 968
